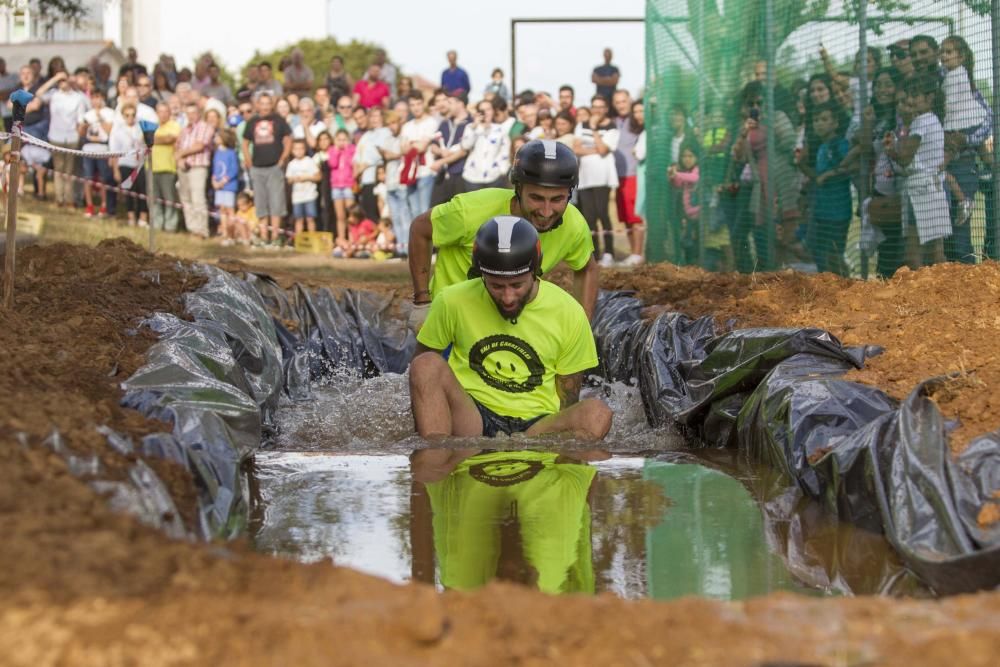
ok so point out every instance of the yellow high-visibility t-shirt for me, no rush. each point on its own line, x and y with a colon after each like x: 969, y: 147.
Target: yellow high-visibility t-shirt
x: 163, y: 154
x: 511, y: 368
x: 456, y: 222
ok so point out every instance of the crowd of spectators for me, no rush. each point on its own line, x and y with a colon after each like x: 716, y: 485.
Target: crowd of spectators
x: 907, y: 156
x: 291, y: 150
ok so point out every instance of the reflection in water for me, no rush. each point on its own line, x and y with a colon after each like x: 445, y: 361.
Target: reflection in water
x: 517, y: 516
x: 340, y: 485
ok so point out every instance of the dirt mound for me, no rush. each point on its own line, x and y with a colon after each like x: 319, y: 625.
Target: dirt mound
x: 80, y: 585
x: 939, y: 320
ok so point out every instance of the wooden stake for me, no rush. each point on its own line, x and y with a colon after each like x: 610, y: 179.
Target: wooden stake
x: 12, y: 185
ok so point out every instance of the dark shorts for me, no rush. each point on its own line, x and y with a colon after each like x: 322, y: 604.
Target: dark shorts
x: 494, y: 423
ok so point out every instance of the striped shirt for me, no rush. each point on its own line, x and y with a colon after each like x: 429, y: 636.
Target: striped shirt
x: 200, y: 132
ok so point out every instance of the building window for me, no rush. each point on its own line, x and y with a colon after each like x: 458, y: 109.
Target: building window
x: 20, y: 21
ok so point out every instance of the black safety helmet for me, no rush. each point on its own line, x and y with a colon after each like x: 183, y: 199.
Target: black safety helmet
x: 545, y: 162
x: 505, y: 246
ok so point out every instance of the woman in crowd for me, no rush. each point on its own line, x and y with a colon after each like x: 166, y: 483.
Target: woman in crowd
x: 878, y: 120
x: 162, y: 90
x: 595, y: 146
x: 773, y: 194
x: 127, y: 137
x: 488, y: 147
x: 338, y: 80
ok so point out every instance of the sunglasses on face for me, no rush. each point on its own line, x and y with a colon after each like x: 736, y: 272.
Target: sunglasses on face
x: 899, y: 55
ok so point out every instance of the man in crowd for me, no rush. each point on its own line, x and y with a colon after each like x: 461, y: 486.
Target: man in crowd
x: 9, y: 82
x: 566, y: 98
x: 269, y: 136
x: 389, y: 71
x: 417, y: 135
x: 518, y: 349
x: 298, y: 75
x: 267, y: 82
x: 450, y: 157
x: 164, y: 216
x: 372, y: 91
x: 367, y: 158
x: 455, y: 78
x: 193, y: 152
x: 309, y: 125
x: 215, y: 88
x: 144, y: 86
x: 544, y: 175
x: 627, y: 166
x: 605, y: 77
x: 250, y: 80
x: 924, y: 54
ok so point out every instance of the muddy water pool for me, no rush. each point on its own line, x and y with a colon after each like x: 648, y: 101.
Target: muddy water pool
x: 645, y: 517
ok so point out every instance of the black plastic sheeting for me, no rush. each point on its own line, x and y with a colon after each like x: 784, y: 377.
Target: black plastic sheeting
x: 218, y: 378
x: 777, y: 396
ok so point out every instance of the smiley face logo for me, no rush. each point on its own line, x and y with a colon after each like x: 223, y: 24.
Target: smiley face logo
x: 507, y: 363
x: 506, y: 472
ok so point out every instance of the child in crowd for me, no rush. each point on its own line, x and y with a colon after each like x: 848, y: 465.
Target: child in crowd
x: 381, y: 193
x: 225, y: 183
x: 832, y: 205
x: 361, y: 236
x: 96, y: 127
x: 921, y: 153
x: 385, y: 242
x: 340, y: 157
x: 684, y: 178
x: 323, y: 142
x: 303, y: 174
x: 962, y: 112
x: 245, y: 217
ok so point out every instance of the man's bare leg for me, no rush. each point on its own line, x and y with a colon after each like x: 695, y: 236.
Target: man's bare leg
x: 441, y: 408
x: 589, y: 419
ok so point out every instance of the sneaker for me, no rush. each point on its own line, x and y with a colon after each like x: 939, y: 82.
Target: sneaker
x: 632, y: 260
x: 607, y: 261
x: 964, y: 212
x: 103, y: 212
x: 226, y: 243
x: 88, y: 212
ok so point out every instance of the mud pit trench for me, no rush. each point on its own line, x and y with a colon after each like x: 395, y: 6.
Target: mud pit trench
x: 81, y: 585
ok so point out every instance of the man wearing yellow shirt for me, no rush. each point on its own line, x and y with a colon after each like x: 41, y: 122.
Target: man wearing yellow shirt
x: 519, y: 347
x: 165, y: 217
x: 544, y: 174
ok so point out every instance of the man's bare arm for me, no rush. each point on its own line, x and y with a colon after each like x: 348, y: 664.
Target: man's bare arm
x: 586, y: 283
x: 568, y: 389
x: 421, y: 235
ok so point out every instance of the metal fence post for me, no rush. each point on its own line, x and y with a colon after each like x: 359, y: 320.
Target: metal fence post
x: 769, y: 187
x: 862, y: 104
x: 995, y: 41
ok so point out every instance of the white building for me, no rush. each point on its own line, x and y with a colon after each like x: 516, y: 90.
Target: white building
x: 26, y: 33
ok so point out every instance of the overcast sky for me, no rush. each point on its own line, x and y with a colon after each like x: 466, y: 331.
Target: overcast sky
x: 417, y: 35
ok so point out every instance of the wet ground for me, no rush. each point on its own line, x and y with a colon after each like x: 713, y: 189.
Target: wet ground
x: 646, y: 518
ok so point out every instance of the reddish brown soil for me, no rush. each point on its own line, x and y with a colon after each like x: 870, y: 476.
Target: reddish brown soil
x: 940, y: 320
x: 80, y: 585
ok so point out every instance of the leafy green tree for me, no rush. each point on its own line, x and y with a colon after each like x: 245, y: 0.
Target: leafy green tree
x: 52, y: 11
x: 357, y: 56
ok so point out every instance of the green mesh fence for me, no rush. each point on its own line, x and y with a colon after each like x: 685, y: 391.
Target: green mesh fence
x: 808, y: 155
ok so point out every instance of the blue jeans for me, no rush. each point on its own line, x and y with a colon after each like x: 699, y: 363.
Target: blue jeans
x: 958, y: 246
x: 419, y: 195
x: 399, y: 209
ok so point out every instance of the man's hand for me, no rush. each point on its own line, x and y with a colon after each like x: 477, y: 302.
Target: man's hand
x: 417, y: 316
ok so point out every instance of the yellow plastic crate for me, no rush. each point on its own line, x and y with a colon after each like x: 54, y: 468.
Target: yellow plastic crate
x: 314, y: 242
x: 27, y: 223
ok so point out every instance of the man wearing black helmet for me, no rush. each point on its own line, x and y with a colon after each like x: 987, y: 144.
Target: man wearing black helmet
x: 519, y: 347
x: 544, y: 175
